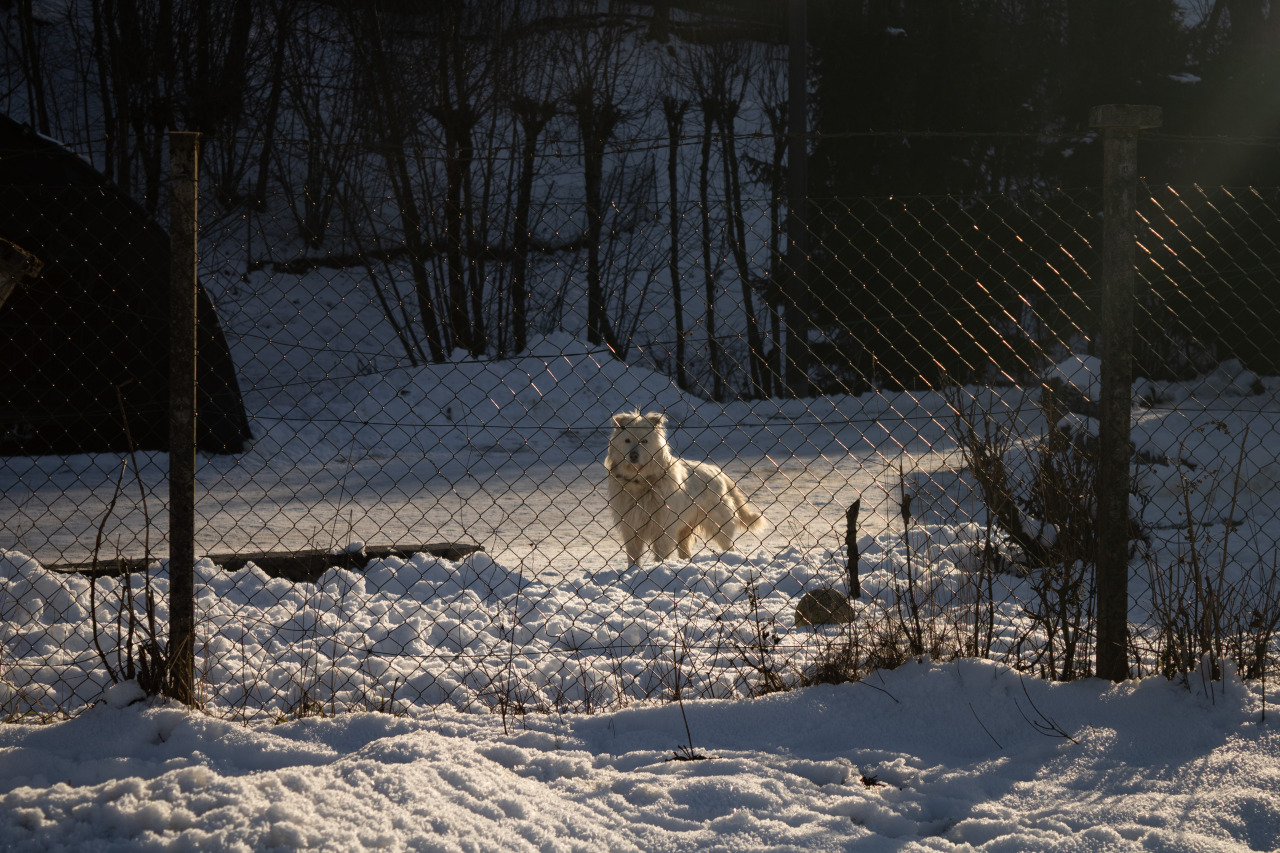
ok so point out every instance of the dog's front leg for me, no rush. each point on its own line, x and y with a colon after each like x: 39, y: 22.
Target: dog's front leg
x: 684, y: 541
x: 664, y: 546
x: 635, y: 548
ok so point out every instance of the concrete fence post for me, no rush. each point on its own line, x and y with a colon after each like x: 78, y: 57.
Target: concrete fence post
x: 1120, y: 125
x: 183, y: 183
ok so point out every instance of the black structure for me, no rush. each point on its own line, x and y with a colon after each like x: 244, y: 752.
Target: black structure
x: 93, y: 328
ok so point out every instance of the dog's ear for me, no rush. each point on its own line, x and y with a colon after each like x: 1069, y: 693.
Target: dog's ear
x: 621, y: 419
x: 656, y: 418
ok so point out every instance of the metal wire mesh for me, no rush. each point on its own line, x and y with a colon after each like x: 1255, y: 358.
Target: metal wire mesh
x: 402, y: 495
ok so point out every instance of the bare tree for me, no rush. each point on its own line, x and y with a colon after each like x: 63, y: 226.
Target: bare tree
x: 284, y: 20
x: 456, y: 111
x: 137, y: 83
x: 720, y: 76
x: 674, y: 110
x: 533, y: 116
x: 709, y: 282
x: 598, y: 59
x: 527, y: 89
x: 395, y: 114
x: 167, y: 65
x: 769, y: 92
x: 215, y: 85
x: 315, y: 84
x: 30, y: 51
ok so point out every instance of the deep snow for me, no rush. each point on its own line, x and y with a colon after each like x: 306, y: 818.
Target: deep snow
x: 567, y: 669
x: 962, y: 756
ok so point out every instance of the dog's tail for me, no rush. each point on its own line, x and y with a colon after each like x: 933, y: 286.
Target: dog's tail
x: 750, y: 517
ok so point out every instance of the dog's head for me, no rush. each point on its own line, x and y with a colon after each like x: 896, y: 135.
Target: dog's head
x: 636, y: 440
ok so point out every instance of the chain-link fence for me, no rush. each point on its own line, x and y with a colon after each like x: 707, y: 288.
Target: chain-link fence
x: 414, y: 487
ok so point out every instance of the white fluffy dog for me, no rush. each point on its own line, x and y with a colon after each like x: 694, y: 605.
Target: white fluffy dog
x: 660, y: 501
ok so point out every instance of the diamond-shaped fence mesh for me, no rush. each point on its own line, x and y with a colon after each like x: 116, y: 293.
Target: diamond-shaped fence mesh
x: 446, y: 460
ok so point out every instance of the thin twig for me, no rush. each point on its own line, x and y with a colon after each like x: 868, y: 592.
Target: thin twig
x: 984, y: 727
x: 1046, y: 725
x: 93, y: 578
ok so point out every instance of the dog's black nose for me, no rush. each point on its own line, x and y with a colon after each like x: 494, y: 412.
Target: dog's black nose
x: 634, y: 456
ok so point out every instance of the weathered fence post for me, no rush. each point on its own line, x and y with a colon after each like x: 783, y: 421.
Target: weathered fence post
x: 1120, y: 125
x: 851, y: 548
x: 184, y: 179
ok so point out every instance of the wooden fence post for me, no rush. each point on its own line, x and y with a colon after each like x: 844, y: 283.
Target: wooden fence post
x: 1120, y: 125
x: 851, y: 548
x: 183, y: 185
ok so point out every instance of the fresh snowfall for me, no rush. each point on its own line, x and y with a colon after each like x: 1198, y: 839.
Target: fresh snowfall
x: 541, y: 694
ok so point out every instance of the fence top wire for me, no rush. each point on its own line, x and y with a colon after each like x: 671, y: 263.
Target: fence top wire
x: 565, y: 147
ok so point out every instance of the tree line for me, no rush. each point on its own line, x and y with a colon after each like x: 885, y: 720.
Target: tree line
x: 507, y: 167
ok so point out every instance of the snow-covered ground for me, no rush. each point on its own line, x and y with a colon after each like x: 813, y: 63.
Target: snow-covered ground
x: 962, y: 756
x: 549, y: 617
x: 522, y: 698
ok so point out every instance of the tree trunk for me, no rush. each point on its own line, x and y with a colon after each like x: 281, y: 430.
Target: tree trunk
x: 757, y: 367
x: 395, y: 143
x: 460, y: 326
x: 704, y: 201
x: 593, y: 165
x: 596, y: 123
x: 533, y: 118
x: 282, y: 31
x: 33, y: 67
x: 411, y: 223
x: 674, y: 111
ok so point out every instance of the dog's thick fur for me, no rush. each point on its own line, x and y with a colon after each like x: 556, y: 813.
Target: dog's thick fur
x: 660, y: 501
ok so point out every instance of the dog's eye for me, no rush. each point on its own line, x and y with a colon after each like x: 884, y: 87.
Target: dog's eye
x: 644, y: 441
x: 626, y: 441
